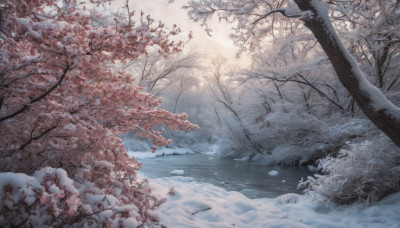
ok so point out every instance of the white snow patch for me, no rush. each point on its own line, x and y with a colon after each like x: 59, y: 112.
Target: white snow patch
x: 177, y: 172
x: 212, y: 149
x: 105, y: 164
x: 21, y: 183
x: 54, y: 189
x: 241, y: 159
x: 70, y: 127
x: 141, y: 155
x: 313, y: 168
x: 273, y: 173
x: 130, y: 222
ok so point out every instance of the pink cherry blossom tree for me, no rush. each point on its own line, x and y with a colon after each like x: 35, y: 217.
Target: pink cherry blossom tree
x: 61, y: 109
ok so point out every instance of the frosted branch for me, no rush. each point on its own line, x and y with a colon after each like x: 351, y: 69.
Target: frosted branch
x: 284, y: 12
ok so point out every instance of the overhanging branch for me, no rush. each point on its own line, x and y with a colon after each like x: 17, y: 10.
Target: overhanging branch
x: 304, y: 81
x: 283, y: 11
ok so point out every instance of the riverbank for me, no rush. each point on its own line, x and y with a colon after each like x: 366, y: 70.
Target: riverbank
x: 195, y: 197
x: 194, y: 204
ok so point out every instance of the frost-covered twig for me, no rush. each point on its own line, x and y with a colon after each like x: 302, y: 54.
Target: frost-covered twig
x: 284, y: 12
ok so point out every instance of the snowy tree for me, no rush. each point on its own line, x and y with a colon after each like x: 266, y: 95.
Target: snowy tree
x: 345, y: 39
x: 237, y: 138
x: 280, y: 116
x: 255, y: 19
x: 61, y: 109
x: 296, y: 67
x: 373, y: 37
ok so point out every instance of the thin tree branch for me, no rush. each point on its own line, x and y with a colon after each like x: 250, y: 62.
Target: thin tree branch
x: 37, y: 137
x: 282, y: 11
x: 37, y: 98
x: 305, y: 82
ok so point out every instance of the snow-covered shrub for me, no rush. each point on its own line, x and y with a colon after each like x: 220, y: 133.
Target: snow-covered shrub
x: 50, y: 198
x: 298, y: 137
x: 290, y: 135
x: 365, y: 171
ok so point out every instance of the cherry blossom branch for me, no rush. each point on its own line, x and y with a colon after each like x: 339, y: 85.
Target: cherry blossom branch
x: 153, y: 135
x: 37, y: 98
x: 36, y: 137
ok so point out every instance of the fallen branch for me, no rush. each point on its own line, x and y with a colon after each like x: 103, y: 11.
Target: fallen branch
x: 205, y: 209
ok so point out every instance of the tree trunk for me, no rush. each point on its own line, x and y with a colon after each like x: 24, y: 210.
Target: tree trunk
x: 374, y: 104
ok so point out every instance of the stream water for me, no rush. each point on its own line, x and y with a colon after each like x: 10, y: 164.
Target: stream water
x: 248, y: 178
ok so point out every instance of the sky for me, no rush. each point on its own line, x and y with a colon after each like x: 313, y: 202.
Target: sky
x: 218, y: 45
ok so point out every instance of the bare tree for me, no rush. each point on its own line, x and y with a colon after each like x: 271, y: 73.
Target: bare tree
x: 184, y: 84
x: 155, y: 73
x: 222, y: 94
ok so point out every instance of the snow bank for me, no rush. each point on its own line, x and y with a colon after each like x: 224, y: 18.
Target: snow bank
x: 160, y: 152
x: 194, y: 204
x: 211, y: 149
x: 177, y: 172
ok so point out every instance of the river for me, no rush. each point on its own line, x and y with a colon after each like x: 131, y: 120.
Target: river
x: 250, y: 179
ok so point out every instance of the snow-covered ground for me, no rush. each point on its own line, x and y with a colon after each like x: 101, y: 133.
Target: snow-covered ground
x: 160, y: 152
x: 195, y: 204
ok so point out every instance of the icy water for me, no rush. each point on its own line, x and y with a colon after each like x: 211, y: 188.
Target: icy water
x: 250, y: 179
